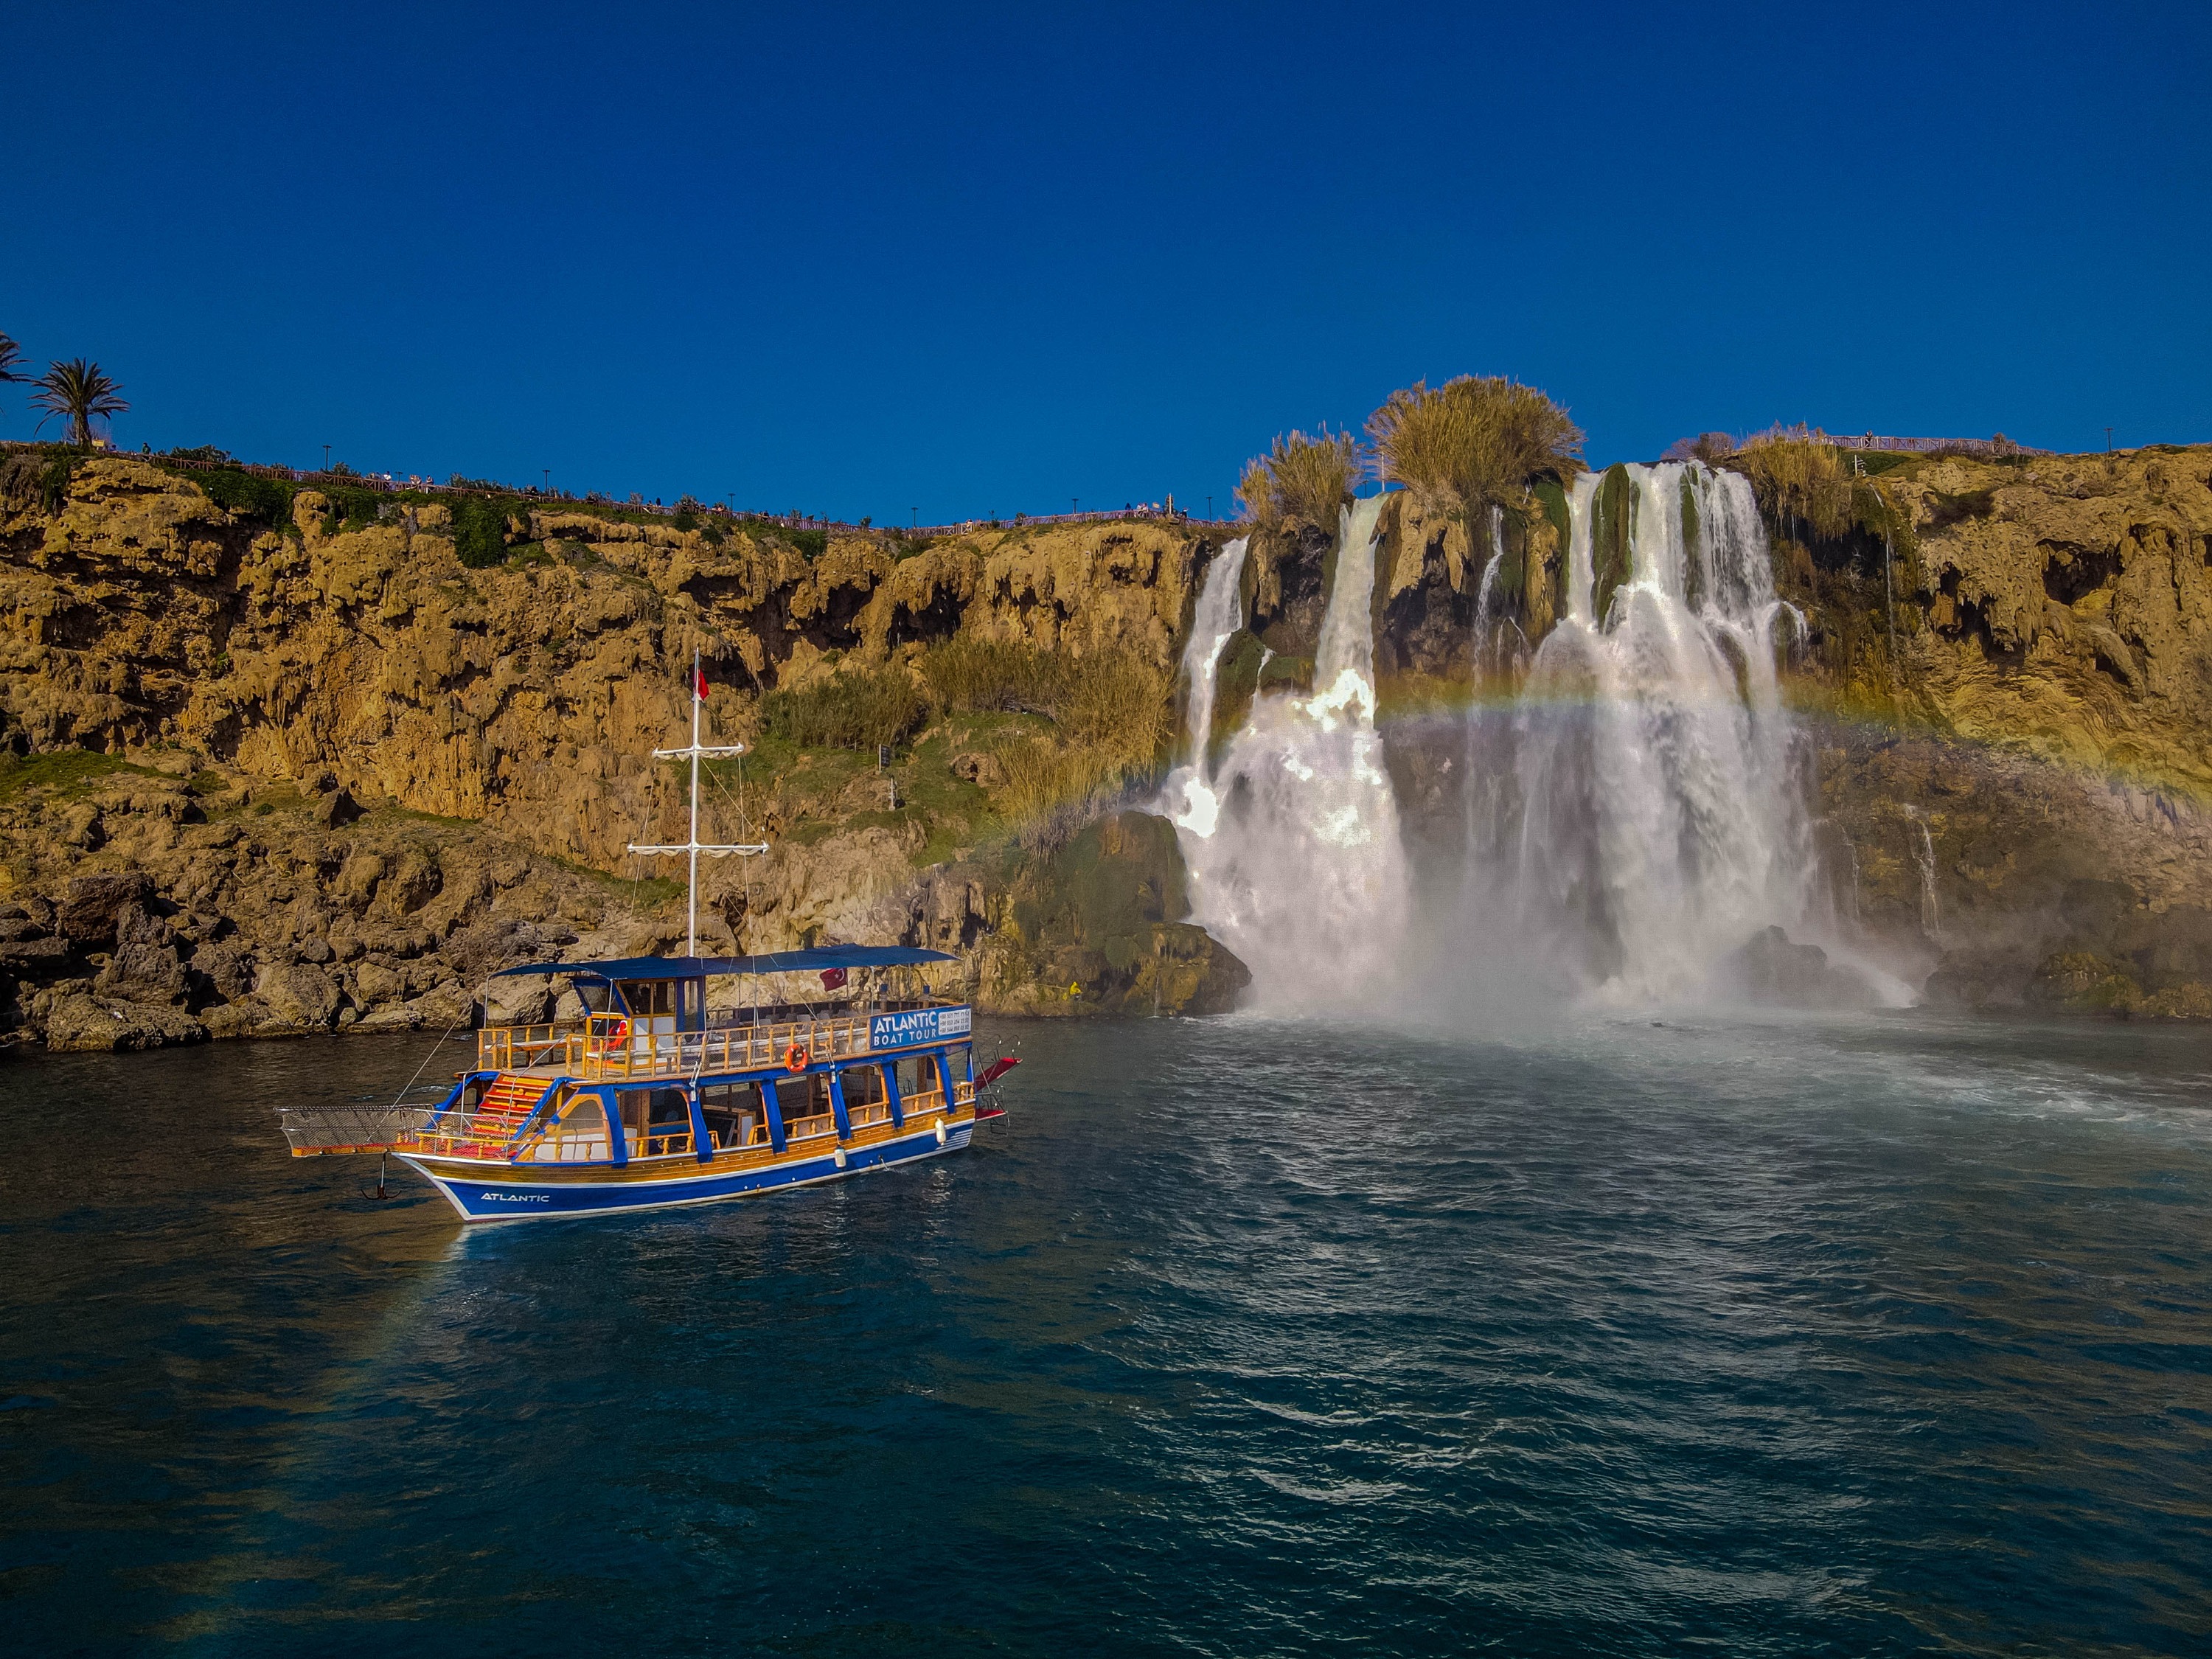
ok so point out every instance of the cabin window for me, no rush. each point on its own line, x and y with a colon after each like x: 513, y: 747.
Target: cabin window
x: 864, y: 1086
x: 733, y: 1111
x: 654, y: 1111
x: 580, y: 1133
x: 596, y: 994
x: 804, y: 1104
x: 918, y: 1075
x: 650, y: 998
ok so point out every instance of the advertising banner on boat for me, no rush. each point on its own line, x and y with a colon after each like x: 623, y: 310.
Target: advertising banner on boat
x: 919, y: 1025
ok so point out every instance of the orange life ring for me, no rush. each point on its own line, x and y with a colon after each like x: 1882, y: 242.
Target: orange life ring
x: 795, y: 1058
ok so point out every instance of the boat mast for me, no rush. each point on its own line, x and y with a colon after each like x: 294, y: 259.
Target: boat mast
x: 694, y: 846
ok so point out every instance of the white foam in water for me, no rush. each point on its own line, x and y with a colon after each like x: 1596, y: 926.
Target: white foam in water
x: 1295, y: 858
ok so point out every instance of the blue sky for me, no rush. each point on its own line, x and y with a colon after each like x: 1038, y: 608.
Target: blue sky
x: 951, y: 260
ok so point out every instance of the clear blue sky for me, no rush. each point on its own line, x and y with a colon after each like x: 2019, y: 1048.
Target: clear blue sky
x: 961, y: 260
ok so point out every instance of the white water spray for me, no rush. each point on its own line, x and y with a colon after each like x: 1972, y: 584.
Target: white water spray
x: 1663, y: 817
x: 1299, y: 868
x: 1219, y: 613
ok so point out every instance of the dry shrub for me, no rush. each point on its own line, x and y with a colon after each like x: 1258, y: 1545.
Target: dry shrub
x: 1112, y: 711
x: 1799, y: 475
x: 1255, y: 495
x: 1710, y: 447
x: 1310, y: 478
x: 856, y: 709
x: 971, y: 675
x: 1475, y: 441
x: 1118, y: 703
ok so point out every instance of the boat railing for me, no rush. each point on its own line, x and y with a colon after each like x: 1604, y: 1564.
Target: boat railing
x: 612, y: 1047
x: 492, y: 1136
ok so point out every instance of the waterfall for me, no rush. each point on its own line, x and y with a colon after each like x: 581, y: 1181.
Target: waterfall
x: 1662, y: 815
x: 1219, y: 614
x: 1924, y: 859
x: 1293, y: 845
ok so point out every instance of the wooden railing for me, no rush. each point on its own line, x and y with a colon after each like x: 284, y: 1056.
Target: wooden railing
x: 608, y: 1048
x: 517, y: 1048
x: 492, y: 1142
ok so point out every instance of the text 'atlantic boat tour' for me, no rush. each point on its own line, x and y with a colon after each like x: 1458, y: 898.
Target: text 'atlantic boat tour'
x: 654, y: 1097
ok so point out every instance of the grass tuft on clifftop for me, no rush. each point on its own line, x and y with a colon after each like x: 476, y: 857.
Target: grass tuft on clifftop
x: 1302, y: 478
x: 1474, y: 442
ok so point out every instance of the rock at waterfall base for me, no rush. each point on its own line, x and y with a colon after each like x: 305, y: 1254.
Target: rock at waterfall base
x: 1768, y: 970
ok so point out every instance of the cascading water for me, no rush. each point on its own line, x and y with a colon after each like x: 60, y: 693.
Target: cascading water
x: 1219, y: 613
x: 1293, y: 846
x: 1662, y: 815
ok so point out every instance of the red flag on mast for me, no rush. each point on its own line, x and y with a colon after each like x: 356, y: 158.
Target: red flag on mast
x: 698, y: 681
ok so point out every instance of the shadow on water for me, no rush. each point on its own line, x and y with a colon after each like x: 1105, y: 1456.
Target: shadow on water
x: 1874, y: 1334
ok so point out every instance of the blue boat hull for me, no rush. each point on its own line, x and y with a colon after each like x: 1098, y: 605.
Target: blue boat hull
x: 506, y: 1193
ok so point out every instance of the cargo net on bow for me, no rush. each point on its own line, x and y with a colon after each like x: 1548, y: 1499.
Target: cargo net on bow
x: 314, y: 1131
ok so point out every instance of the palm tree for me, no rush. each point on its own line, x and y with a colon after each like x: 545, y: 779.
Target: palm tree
x: 78, y: 391
x: 11, y: 360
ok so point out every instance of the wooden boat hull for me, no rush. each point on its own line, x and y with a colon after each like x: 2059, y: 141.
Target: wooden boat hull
x: 488, y: 1191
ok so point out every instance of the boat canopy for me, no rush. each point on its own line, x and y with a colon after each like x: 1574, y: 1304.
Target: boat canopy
x: 773, y: 962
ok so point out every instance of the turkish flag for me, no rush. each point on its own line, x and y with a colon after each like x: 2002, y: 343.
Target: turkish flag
x: 699, y: 682
x: 833, y: 978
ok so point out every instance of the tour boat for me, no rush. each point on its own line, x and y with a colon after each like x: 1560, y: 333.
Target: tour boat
x: 653, y: 1098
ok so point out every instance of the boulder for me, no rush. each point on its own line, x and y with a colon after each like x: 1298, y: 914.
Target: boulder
x: 1768, y: 968
x: 335, y: 809
x: 500, y: 942
x: 82, y: 829
x: 980, y: 768
x: 298, y: 996
x: 444, y: 1006
x: 90, y: 908
x: 411, y: 883
x: 142, y: 972
x: 525, y: 1001
x: 34, y: 959
x: 87, y: 1025
x: 375, y: 984
x: 391, y: 1016
x: 226, y: 968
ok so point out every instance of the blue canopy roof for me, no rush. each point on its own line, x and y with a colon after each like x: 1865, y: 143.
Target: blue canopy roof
x: 774, y: 962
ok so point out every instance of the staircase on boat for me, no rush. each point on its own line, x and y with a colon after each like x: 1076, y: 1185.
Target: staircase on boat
x: 489, y: 1131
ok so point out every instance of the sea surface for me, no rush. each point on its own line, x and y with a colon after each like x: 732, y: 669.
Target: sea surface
x: 1879, y: 1336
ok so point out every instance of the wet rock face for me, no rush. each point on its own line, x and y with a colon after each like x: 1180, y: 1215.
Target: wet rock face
x: 1771, y: 970
x: 1099, y: 927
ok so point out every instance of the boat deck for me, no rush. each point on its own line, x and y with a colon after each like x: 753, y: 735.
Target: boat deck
x: 607, y: 1047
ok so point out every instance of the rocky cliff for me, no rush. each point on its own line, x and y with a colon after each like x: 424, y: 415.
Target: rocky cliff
x: 299, y: 774
x: 319, y: 773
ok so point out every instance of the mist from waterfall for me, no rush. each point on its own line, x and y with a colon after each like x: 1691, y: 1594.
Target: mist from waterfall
x: 1293, y: 843
x: 1625, y: 824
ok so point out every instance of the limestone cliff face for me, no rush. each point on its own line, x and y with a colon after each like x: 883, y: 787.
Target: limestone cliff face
x: 2017, y: 756
x: 527, y: 696
x: 336, y: 773
x: 316, y: 661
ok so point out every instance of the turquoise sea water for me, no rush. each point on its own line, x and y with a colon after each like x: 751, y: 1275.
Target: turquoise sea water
x: 1876, y: 1336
